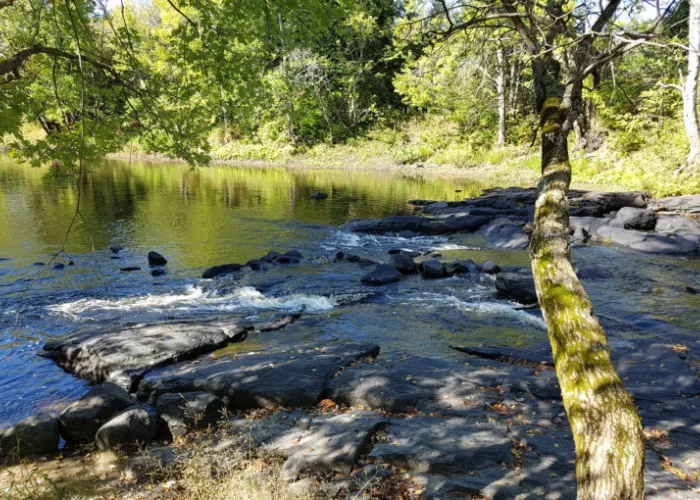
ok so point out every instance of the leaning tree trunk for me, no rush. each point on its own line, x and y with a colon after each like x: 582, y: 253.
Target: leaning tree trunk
x: 604, y: 421
x: 690, y: 89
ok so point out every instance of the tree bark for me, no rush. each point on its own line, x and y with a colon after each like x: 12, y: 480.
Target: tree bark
x: 690, y: 89
x: 501, y: 90
x: 604, y: 421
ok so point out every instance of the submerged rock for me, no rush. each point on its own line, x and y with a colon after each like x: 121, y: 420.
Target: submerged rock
x: 137, y: 425
x: 80, y: 421
x: 383, y: 274
x: 35, y: 435
x: 403, y: 263
x: 517, y: 286
x: 123, y: 356
x: 320, y: 195
x: 432, y: 269
x: 215, y: 271
x: 156, y: 259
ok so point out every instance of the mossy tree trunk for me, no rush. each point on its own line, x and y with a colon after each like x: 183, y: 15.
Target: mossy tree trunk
x: 604, y: 421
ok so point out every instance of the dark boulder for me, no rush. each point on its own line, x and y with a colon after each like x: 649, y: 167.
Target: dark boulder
x: 130, y: 268
x: 295, y: 254
x: 403, y: 263
x: 338, y: 256
x: 635, y: 218
x: 517, y: 286
x: 39, y: 264
x: 383, y: 274
x: 190, y: 410
x: 353, y: 258
x: 80, y: 421
x: 407, y: 234
x: 471, y: 266
x: 215, y: 271
x: 159, y: 271
x: 36, y: 435
x: 156, y: 259
x: 490, y: 267
x: 432, y: 269
x: 254, y: 264
x: 137, y: 425
x: 116, y: 248
x: 58, y: 266
x: 691, y: 290
x: 320, y: 195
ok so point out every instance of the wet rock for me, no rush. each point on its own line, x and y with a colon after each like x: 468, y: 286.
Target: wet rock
x: 270, y: 257
x: 403, y: 263
x: 455, y: 267
x: 137, y: 425
x: 691, y: 290
x: 115, y: 257
x: 466, y: 223
x: 320, y: 195
x: 383, y: 274
x: 443, y: 446
x: 80, y: 421
x: 490, y: 267
x: 331, y: 444
x: 154, y: 461
x: 635, y: 218
x: 592, y: 272
x: 156, y: 259
x: 58, y: 267
x: 181, y: 412
x: 294, y: 254
x: 676, y: 224
x: 421, y: 203
x: 396, y: 224
x: 338, y: 256
x: 123, y: 356
x: 130, y: 268
x: 277, y: 323
x: 352, y: 258
x: 407, y: 234
x: 39, y: 264
x: 116, y: 248
x: 432, y: 269
x: 35, y: 435
x: 517, y: 286
x: 505, y: 233
x: 215, y: 271
x: 159, y: 271
x: 294, y: 377
x: 254, y: 264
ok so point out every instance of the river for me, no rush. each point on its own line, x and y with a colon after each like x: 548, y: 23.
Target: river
x: 223, y: 214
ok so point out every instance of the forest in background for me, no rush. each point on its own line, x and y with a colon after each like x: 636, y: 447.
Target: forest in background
x: 353, y: 81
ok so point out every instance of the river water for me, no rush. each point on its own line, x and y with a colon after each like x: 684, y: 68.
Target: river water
x: 223, y: 214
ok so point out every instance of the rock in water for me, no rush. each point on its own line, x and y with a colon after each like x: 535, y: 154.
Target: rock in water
x: 137, y: 425
x: 320, y: 195
x: 433, y: 269
x: 490, y: 267
x: 36, y: 435
x: 123, y: 356
x: 635, y: 218
x: 383, y: 274
x: 116, y: 248
x: 517, y: 286
x: 403, y: 263
x: 215, y: 271
x: 80, y: 421
x: 156, y: 259
x: 189, y: 410
x: 504, y: 233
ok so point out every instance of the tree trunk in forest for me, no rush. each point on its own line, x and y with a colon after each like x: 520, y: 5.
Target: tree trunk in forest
x: 690, y: 89
x: 501, y: 90
x: 605, y: 424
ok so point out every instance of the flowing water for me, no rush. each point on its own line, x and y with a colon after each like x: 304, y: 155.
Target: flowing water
x: 223, y: 214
